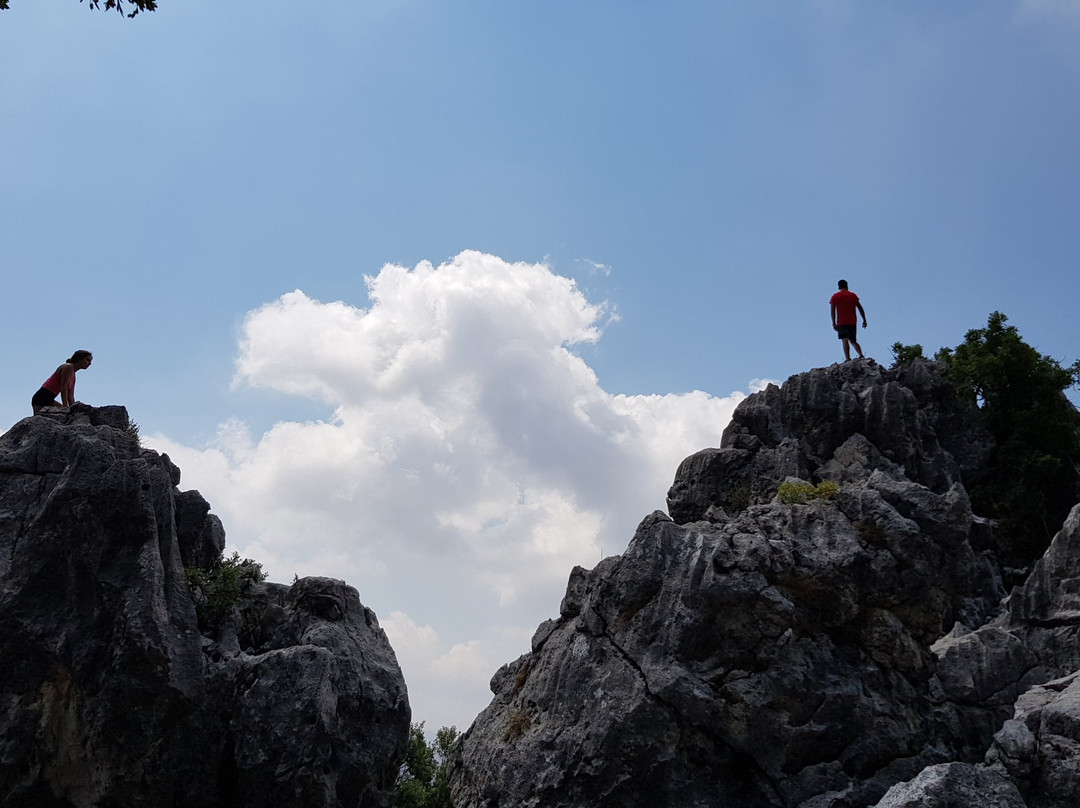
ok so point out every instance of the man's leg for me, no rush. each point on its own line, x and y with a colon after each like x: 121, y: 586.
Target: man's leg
x: 857, y: 348
x: 847, y: 349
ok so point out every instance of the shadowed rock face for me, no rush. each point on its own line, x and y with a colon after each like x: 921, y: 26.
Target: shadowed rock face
x: 753, y: 653
x: 110, y: 695
x: 1017, y: 678
x: 954, y: 784
x: 836, y: 423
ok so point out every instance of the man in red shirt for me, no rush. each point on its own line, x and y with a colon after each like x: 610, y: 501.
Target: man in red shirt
x: 842, y: 305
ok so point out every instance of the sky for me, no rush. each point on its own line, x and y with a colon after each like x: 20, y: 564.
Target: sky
x: 433, y: 296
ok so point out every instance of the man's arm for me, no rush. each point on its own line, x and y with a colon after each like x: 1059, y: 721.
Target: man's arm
x: 862, y: 311
x: 832, y: 313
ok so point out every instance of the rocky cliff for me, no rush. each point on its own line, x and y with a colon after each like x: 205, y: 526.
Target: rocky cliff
x: 820, y: 621
x: 115, y: 691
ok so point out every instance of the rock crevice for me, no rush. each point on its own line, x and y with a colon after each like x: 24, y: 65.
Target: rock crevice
x: 801, y: 655
x: 114, y: 690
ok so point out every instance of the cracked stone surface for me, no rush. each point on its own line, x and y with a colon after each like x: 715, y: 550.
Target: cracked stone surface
x: 954, y: 784
x: 753, y: 653
x: 761, y: 662
x: 114, y: 693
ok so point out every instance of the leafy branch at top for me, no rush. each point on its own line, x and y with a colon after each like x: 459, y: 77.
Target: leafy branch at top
x: 118, y: 5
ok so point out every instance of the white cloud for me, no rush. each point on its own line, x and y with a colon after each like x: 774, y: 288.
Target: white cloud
x: 444, y: 680
x: 594, y: 267
x: 471, y: 461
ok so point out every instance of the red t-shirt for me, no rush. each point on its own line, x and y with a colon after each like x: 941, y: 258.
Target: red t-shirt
x: 845, y: 307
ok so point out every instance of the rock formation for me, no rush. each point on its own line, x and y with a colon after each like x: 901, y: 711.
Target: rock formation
x: 110, y: 692
x: 819, y: 643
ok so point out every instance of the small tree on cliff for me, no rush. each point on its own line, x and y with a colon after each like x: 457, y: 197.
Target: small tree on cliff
x: 1033, y: 477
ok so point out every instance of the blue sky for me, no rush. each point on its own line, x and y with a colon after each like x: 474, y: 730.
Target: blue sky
x: 433, y: 296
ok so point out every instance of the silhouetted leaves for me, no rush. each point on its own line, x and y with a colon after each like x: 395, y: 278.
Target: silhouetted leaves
x: 135, y: 5
x: 1033, y: 477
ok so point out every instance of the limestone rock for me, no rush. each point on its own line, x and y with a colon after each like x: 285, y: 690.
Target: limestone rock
x: 754, y: 653
x: 110, y: 694
x: 1050, y: 596
x: 199, y: 533
x: 762, y: 661
x: 954, y: 785
x: 1035, y: 640
x: 908, y: 418
x: 1040, y: 747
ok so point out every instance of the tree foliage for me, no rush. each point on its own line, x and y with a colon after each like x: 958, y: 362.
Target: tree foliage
x: 1033, y: 477
x: 118, y: 5
x: 218, y: 589
x: 905, y: 354
x: 424, y: 780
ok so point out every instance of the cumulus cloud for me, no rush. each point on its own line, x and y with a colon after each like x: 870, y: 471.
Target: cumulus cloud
x: 446, y: 681
x: 471, y: 461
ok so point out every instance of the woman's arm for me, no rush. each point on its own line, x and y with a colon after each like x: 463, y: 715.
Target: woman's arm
x: 67, y: 385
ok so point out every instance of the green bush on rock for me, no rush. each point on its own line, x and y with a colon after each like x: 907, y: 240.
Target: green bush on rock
x: 799, y: 493
x: 218, y: 589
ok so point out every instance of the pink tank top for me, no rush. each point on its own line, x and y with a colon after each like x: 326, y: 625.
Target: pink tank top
x: 52, y: 384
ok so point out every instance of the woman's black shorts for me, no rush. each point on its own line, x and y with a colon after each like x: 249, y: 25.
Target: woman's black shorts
x: 43, y: 398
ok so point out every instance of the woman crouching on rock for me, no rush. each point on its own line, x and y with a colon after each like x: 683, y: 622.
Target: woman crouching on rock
x: 62, y: 383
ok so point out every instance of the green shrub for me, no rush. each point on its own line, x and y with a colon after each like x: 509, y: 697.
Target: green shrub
x: 218, y: 589
x: 739, y: 498
x: 133, y: 431
x: 799, y: 493
x: 795, y: 493
x: 517, y: 724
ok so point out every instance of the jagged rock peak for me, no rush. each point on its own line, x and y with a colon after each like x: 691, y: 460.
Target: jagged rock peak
x: 115, y: 690
x: 813, y: 651
x: 836, y: 423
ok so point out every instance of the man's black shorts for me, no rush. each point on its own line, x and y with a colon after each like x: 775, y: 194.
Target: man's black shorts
x: 847, y: 331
